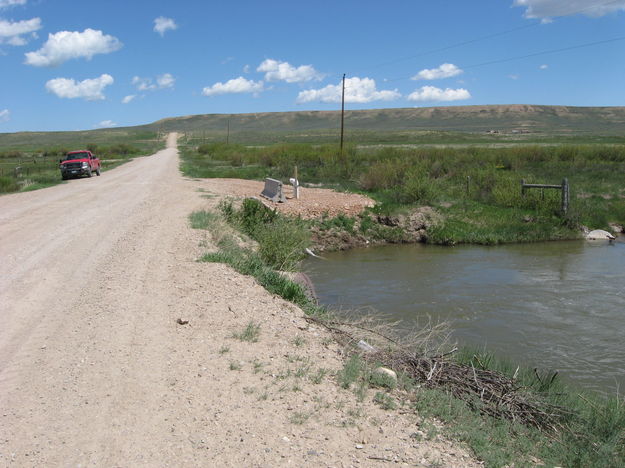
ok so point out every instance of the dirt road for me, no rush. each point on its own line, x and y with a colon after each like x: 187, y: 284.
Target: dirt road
x: 95, y: 371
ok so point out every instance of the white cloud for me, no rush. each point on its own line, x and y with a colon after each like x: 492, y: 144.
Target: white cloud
x: 143, y: 84
x: 162, y: 25
x: 10, y: 3
x: 545, y: 9
x: 105, y: 124
x: 89, y: 90
x: 446, y: 70
x: 544, y: 66
x: 358, y: 90
x: 12, y: 32
x: 234, y: 86
x: 514, y: 77
x: 5, y: 115
x: 432, y: 93
x: 246, y: 69
x: 66, y: 45
x: 284, y: 71
x: 166, y: 80
x: 128, y: 98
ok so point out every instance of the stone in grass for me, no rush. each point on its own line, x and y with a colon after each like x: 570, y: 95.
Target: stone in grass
x: 383, y: 377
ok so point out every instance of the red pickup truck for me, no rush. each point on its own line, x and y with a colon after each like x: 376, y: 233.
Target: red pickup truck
x: 78, y: 163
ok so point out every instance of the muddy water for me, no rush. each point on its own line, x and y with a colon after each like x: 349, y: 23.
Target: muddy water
x: 558, y: 305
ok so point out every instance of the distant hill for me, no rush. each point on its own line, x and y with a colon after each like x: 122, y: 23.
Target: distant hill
x: 408, y: 125
x: 502, y: 118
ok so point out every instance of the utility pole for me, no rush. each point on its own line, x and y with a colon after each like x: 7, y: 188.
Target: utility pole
x: 342, y: 114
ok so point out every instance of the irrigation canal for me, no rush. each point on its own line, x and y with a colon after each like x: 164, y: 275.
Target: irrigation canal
x: 556, y: 306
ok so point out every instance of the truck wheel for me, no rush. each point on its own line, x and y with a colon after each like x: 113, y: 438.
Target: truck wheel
x: 89, y: 174
x: 64, y: 177
x: 97, y: 171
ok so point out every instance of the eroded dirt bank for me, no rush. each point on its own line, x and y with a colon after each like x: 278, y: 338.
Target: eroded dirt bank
x: 95, y: 371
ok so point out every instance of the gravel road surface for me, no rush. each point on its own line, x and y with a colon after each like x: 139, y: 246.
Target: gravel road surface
x: 96, y: 371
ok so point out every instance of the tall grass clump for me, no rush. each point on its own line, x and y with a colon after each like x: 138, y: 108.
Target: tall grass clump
x: 281, y: 241
x: 248, y: 261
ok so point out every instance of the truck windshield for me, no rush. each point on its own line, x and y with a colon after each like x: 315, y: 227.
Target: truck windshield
x: 72, y: 156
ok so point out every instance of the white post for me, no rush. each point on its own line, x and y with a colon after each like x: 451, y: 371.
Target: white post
x: 296, y: 185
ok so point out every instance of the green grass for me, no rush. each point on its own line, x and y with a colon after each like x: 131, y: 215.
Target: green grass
x: 203, y: 219
x: 385, y: 401
x: 281, y: 240
x: 351, y: 371
x: 251, y: 333
x: 38, y: 167
x: 476, y: 188
x: 591, y: 432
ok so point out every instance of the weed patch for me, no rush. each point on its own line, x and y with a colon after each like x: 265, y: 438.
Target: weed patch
x: 251, y: 333
x: 351, y: 371
x: 385, y: 401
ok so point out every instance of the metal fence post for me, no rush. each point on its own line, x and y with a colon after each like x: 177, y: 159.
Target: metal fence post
x: 565, y: 196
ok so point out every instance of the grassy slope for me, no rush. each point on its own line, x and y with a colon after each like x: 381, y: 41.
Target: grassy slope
x: 468, y: 125
x: 543, y: 119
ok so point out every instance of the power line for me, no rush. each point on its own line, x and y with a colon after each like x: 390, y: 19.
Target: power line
x: 547, y: 52
x: 534, y: 54
x: 483, y: 38
x: 452, y: 46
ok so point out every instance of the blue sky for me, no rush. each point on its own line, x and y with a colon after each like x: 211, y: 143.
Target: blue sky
x: 68, y: 65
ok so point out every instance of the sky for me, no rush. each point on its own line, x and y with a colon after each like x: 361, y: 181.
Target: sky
x: 69, y: 65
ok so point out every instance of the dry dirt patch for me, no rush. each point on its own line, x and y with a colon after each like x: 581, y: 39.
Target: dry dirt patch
x: 313, y: 202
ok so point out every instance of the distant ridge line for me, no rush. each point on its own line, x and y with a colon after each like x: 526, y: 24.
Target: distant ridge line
x: 475, y: 118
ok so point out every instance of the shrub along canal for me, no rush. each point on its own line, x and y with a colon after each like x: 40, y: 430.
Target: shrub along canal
x: 556, y: 305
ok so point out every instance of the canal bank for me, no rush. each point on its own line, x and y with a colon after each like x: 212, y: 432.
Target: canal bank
x: 482, y: 400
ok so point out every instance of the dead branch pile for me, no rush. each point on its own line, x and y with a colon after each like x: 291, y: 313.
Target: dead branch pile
x: 488, y: 391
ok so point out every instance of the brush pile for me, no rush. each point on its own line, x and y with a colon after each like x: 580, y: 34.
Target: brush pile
x: 485, y: 390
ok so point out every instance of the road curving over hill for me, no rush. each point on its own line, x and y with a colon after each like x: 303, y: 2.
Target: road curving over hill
x: 96, y: 371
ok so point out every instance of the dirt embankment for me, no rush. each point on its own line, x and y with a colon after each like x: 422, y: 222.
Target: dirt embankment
x: 313, y: 203
x: 323, y: 205
x: 96, y: 369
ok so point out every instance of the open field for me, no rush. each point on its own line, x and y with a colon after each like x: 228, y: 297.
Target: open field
x: 477, y: 190
x: 39, y: 141
x: 33, y: 167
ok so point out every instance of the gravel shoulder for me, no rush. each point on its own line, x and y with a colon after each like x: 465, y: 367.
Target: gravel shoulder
x: 96, y: 371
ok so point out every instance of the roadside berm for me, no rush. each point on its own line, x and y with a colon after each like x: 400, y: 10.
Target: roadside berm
x: 290, y: 380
